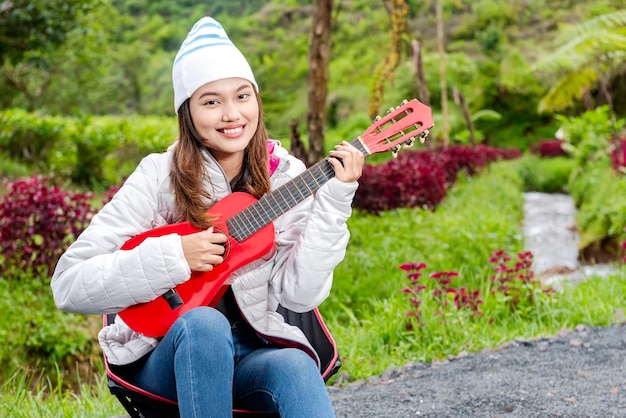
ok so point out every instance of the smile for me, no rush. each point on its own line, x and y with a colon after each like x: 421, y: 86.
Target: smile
x: 233, y: 131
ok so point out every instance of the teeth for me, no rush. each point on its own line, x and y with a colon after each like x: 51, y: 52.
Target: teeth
x: 233, y: 131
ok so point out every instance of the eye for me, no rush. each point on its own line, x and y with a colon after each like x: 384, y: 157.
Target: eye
x: 211, y: 102
x: 244, y: 96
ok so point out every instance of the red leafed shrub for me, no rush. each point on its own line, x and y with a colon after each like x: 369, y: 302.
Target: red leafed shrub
x: 549, y: 148
x: 421, y: 178
x: 37, y: 221
x: 414, y: 179
x: 492, y: 154
x: 618, y: 156
x: 458, y: 158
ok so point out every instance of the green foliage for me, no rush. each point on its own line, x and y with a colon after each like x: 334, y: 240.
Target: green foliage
x: 490, y: 40
x: 31, y: 139
x: 590, y: 52
x: 10, y: 168
x: 588, y: 135
x: 546, y: 175
x: 34, y: 332
x: 600, y: 194
x: 31, y: 25
x: 493, y: 12
x: 122, y: 65
x: 92, y: 151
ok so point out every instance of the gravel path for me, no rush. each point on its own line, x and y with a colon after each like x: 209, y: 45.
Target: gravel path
x: 579, y: 373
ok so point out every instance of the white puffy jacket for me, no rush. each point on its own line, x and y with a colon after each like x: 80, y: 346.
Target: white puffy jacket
x: 95, y: 277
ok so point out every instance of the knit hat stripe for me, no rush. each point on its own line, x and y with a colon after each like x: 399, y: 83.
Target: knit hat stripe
x: 188, y: 50
x: 211, y: 30
x: 208, y: 24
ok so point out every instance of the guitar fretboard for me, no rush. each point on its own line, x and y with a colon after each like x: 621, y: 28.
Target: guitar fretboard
x: 274, y: 204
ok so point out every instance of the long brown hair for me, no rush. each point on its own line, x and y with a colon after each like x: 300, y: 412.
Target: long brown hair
x: 188, y: 170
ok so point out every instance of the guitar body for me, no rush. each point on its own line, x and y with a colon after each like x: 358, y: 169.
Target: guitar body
x: 154, y: 318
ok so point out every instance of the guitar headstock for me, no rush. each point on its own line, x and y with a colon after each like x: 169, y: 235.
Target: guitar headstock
x: 400, y: 126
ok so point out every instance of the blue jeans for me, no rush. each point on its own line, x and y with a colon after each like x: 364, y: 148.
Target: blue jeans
x: 209, y: 367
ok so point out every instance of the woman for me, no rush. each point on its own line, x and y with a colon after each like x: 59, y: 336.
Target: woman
x: 242, y: 352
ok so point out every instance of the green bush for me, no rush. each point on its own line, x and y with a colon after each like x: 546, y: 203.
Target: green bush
x: 34, y: 332
x: 546, y: 175
x: 600, y: 196
x: 588, y: 135
x: 90, y: 151
x: 34, y: 139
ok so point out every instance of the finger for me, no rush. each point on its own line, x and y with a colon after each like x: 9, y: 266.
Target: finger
x: 337, y: 165
x: 218, y: 249
x: 219, y: 238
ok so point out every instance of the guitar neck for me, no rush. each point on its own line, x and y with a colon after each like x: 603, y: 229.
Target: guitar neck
x: 274, y: 204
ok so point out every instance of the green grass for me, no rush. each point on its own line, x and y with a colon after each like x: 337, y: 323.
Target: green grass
x: 366, y: 310
x: 20, y: 397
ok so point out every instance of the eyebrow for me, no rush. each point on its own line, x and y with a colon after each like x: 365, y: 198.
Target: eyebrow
x: 212, y: 93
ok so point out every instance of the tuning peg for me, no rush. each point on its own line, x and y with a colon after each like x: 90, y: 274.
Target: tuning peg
x: 409, y: 142
x: 405, y: 101
x: 377, y: 118
x: 423, y: 136
x: 391, y: 110
x: 395, y: 150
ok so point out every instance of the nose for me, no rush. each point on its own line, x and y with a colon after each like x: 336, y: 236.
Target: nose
x: 230, y: 112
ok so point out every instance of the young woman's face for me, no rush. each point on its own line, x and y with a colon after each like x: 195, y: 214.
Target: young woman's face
x: 226, y: 115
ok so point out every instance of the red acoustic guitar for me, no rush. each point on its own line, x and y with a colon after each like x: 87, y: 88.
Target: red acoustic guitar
x: 247, y: 222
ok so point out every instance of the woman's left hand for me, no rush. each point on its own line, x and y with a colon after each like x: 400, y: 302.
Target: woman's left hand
x: 350, y: 167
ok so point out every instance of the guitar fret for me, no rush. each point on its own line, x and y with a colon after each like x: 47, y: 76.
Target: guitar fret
x: 302, y: 188
x: 243, y: 229
x: 282, y: 203
x: 307, y: 183
x: 265, y: 202
x: 295, y: 199
x: 235, y: 226
x: 289, y: 201
x: 259, y: 216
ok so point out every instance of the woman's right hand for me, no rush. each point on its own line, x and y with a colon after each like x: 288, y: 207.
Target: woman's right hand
x: 204, y: 249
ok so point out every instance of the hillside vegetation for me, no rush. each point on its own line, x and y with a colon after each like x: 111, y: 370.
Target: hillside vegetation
x: 121, y: 64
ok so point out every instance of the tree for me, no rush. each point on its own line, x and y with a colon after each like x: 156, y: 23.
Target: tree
x: 593, y: 56
x: 442, y: 74
x: 30, y: 33
x: 317, y: 82
x: 398, y: 12
x: 418, y: 69
x: 30, y: 25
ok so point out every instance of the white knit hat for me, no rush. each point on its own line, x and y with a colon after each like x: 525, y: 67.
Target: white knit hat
x: 206, y: 55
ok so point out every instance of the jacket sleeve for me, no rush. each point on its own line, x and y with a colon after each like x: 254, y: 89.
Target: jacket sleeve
x: 94, y: 276
x: 312, y: 241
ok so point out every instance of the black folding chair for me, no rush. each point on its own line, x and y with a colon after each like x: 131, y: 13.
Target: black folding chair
x: 142, y: 404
